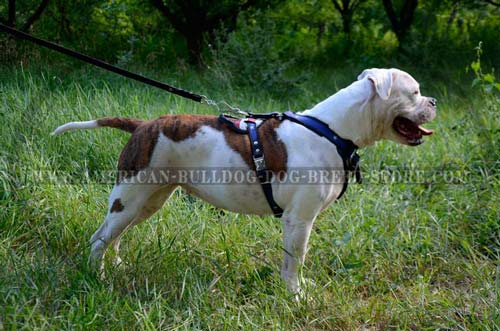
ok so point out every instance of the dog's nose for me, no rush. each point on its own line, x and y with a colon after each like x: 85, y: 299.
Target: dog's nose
x: 433, y: 102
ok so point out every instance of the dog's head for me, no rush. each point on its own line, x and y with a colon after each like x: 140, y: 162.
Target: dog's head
x: 402, y: 109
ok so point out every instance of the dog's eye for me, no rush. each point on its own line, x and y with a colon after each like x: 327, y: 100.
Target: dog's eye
x: 416, y: 92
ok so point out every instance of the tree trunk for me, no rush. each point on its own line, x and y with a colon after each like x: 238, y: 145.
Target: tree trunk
x: 197, y: 19
x: 195, y: 45
x: 346, y: 22
x: 11, y: 20
x: 321, y: 32
x: 401, y: 25
x: 492, y: 2
x: 451, y: 18
x: 36, y: 15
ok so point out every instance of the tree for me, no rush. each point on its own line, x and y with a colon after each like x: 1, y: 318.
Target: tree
x: 492, y: 2
x: 194, y: 19
x: 346, y: 9
x: 12, y: 19
x: 401, y: 24
x: 306, y: 16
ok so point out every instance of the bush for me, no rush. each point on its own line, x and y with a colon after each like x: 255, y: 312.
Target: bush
x: 484, y: 222
x: 249, y: 57
x: 487, y: 82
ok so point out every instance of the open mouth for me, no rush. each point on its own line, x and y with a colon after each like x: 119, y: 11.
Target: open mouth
x: 411, y: 131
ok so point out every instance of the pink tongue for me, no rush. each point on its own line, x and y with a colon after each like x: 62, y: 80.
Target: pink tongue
x: 424, y: 131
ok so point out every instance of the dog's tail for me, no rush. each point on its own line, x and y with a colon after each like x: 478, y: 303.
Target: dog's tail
x: 122, y: 123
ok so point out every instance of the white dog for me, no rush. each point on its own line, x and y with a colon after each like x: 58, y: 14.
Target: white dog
x: 382, y: 103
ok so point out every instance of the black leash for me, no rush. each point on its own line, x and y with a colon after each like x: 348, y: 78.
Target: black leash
x: 85, y: 58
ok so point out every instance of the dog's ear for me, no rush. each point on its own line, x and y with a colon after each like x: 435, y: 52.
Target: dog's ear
x: 381, y: 80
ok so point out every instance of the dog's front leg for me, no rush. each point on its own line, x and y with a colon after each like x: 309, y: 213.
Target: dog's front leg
x: 295, y: 239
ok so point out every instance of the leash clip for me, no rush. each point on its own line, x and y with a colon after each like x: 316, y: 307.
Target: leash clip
x: 212, y: 103
x: 235, y: 110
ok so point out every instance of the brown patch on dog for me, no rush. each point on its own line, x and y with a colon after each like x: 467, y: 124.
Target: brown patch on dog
x: 122, y: 123
x: 275, y: 154
x: 181, y: 127
x: 116, y: 207
x: 137, y: 153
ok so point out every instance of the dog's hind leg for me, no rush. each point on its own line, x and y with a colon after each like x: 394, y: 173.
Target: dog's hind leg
x: 151, y: 206
x: 126, y: 202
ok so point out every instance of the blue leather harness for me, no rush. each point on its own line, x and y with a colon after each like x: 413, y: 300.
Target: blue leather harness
x: 346, y: 148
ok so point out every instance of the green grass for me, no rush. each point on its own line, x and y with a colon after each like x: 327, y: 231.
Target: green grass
x: 396, y: 256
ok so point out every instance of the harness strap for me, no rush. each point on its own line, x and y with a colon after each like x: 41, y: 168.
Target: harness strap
x: 346, y: 148
x: 260, y: 167
x: 228, y: 120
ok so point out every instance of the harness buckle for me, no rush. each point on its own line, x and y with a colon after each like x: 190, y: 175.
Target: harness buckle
x: 353, y: 164
x: 353, y: 160
x: 260, y: 164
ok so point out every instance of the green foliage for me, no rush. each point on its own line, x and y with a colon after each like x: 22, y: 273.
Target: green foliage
x: 300, y: 34
x: 249, y: 57
x: 487, y: 229
x: 487, y: 81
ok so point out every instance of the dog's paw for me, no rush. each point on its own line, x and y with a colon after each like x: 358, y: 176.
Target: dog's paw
x: 308, y: 284
x: 306, y: 292
x: 98, y: 272
x: 117, y: 262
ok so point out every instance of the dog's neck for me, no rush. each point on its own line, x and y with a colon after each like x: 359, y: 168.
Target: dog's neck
x: 349, y: 114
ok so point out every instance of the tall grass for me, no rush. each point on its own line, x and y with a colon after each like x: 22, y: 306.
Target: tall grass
x: 393, y: 255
